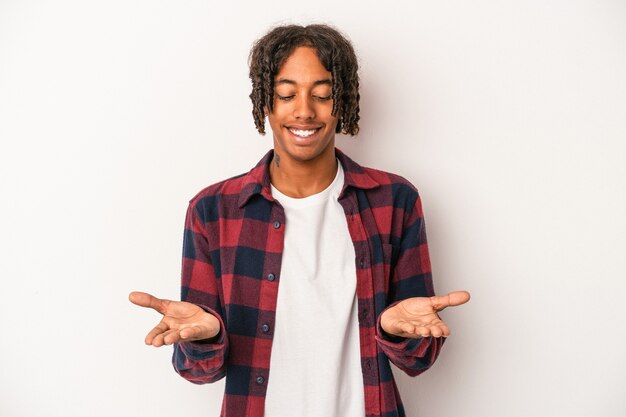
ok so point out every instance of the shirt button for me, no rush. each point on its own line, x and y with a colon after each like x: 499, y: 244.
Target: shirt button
x: 260, y: 380
x: 361, y: 262
x: 368, y: 364
x: 271, y: 277
x: 265, y: 328
x: 276, y: 224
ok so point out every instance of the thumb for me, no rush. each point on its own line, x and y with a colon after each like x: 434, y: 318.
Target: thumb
x: 452, y: 299
x: 143, y: 299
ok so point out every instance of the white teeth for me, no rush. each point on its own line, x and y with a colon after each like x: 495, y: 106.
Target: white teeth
x: 303, y: 133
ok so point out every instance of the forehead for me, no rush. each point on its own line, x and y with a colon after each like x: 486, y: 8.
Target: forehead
x: 303, y: 66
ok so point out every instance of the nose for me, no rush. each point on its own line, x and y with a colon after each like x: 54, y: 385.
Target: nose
x: 304, y: 108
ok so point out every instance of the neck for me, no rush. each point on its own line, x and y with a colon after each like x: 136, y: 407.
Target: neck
x: 299, y: 179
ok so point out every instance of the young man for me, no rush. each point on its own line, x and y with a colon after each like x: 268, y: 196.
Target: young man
x: 303, y: 278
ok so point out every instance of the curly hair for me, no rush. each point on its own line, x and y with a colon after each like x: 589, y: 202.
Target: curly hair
x: 335, y: 53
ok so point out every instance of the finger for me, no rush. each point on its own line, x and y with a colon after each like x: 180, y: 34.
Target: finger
x: 406, y: 328
x: 453, y: 299
x: 440, y: 324
x: 422, y: 331
x: 436, y: 331
x: 171, y: 337
x: 159, y: 340
x: 147, y: 300
x: 439, y: 328
x: 400, y: 329
x: 459, y: 297
x: 409, y: 330
x: 159, y: 329
x: 194, y: 333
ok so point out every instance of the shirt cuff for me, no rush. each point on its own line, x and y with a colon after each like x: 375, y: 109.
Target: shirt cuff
x: 399, y: 343
x: 205, y: 348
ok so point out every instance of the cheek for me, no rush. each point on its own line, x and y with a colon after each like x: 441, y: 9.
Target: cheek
x: 279, y: 112
x: 325, y: 110
x: 275, y: 124
x: 332, y: 120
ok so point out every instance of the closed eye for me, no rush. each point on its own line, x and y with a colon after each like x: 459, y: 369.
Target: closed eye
x: 288, y: 98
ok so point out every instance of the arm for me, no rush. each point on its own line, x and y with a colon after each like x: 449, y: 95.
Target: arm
x: 202, y: 361
x: 409, y: 330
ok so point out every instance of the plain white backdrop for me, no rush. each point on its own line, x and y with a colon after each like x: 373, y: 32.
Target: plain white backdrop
x: 509, y: 116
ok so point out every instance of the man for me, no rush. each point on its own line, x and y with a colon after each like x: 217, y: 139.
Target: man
x: 303, y: 278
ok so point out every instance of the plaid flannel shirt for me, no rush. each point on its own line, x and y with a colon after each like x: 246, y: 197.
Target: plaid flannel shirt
x: 232, y: 251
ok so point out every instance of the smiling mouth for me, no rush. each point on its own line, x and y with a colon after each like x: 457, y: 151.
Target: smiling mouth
x: 303, y: 133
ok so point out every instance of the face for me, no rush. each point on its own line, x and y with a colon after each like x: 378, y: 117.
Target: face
x: 304, y: 129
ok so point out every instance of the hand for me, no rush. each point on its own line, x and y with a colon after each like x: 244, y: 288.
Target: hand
x: 181, y: 321
x: 417, y: 317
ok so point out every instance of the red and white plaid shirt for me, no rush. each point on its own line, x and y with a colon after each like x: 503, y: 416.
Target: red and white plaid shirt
x: 232, y: 252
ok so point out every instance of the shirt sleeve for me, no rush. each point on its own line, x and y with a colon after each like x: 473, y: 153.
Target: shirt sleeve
x: 410, y: 277
x: 200, y: 362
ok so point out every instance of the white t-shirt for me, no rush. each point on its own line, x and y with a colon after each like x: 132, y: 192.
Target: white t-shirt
x: 315, y: 367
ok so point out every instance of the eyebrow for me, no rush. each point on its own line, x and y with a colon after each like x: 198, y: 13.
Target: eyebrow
x: 326, y: 81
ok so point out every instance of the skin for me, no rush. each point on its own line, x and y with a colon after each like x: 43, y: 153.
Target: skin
x: 303, y: 100
x: 300, y: 168
x: 180, y: 322
x: 417, y: 317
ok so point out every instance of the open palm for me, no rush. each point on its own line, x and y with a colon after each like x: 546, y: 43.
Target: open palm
x: 417, y: 317
x: 181, y: 321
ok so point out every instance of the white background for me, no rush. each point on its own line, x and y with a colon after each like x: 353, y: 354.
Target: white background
x: 509, y: 116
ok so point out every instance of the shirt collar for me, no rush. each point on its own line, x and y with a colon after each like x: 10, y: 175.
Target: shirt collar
x: 257, y: 180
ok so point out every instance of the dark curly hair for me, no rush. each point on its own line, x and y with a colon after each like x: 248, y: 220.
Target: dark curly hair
x: 336, y: 55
